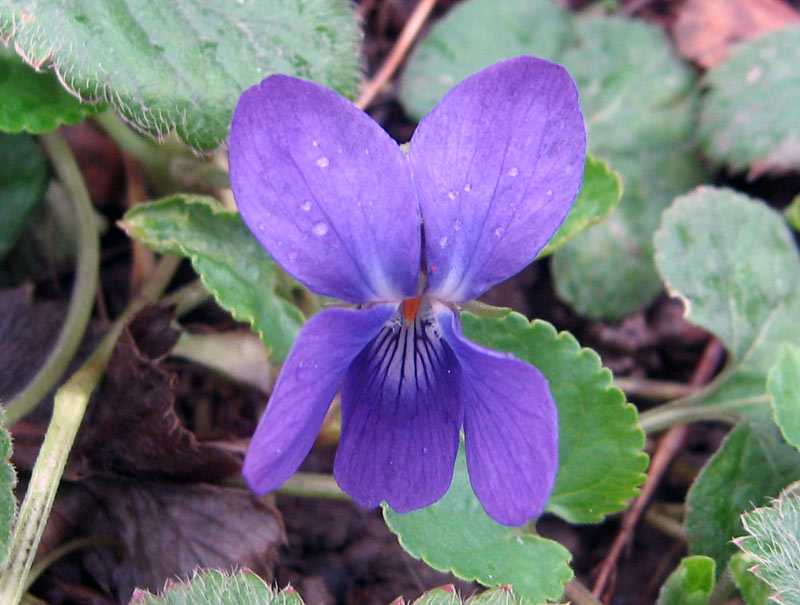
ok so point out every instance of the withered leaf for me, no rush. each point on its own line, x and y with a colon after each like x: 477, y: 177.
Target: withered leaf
x: 162, y: 530
x: 131, y: 428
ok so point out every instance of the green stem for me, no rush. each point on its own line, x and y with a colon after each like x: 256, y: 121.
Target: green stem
x: 579, y: 594
x: 666, y: 416
x: 84, y: 286
x: 188, y: 297
x: 312, y: 485
x: 62, y: 550
x: 68, y: 410
x: 655, y: 390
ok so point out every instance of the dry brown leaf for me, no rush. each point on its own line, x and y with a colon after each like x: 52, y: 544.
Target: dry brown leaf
x: 705, y: 30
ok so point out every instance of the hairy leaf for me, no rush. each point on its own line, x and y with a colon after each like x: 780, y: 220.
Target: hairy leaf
x: 182, y: 66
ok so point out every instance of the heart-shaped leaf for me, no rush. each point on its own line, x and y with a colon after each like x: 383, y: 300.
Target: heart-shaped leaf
x: 783, y: 385
x: 733, y: 262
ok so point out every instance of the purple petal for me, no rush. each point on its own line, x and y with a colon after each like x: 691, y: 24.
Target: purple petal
x: 309, y: 380
x: 510, y: 431
x: 497, y: 165
x: 326, y: 191
x: 401, y: 416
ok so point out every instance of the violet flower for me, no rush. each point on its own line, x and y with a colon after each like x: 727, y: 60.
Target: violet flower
x: 489, y: 176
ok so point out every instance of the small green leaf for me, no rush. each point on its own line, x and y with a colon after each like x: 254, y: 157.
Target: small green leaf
x: 212, y: 586
x: 792, y: 213
x: 690, y: 584
x: 232, y: 264
x: 751, y: 465
x: 600, y: 193
x: 639, y: 102
x: 23, y: 176
x: 751, y: 114
x: 783, y: 385
x: 733, y: 262
x: 444, y: 595
x: 456, y: 535
x: 495, y: 596
x: 753, y: 589
x: 773, y: 541
x: 8, y: 479
x: 596, y: 476
x: 35, y: 101
x: 182, y: 66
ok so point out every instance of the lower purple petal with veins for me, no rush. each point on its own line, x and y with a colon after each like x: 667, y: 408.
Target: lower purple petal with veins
x: 510, y: 430
x: 309, y: 380
x: 401, y: 416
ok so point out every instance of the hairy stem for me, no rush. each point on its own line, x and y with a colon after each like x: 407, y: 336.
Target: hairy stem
x: 663, y: 417
x: 84, y: 286
x: 68, y: 410
x: 312, y: 485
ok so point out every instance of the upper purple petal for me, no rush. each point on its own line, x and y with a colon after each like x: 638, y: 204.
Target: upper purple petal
x: 401, y: 416
x: 510, y: 431
x: 308, y: 382
x: 326, y: 191
x: 497, y: 165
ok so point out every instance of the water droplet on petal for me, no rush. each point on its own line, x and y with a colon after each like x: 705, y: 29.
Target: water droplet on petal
x: 319, y: 228
x: 499, y: 231
x: 549, y: 192
x: 315, y: 143
x: 292, y: 255
x: 306, y: 206
x: 513, y: 171
x: 443, y: 242
x: 366, y: 151
x: 340, y: 150
x: 322, y: 161
x: 451, y: 195
x: 457, y: 225
x: 467, y: 187
x: 261, y: 226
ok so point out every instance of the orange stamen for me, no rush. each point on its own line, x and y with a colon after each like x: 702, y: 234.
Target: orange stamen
x: 410, y: 308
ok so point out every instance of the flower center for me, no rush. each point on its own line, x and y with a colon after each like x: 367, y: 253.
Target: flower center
x: 410, y: 307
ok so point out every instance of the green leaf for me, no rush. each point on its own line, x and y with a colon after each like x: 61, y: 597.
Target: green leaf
x: 600, y: 193
x: 8, y: 479
x: 733, y: 262
x: 753, y: 589
x: 783, y: 385
x: 751, y: 465
x: 35, y: 101
x: 182, y: 66
x: 772, y: 541
x: 596, y: 476
x: 639, y: 103
x: 212, y: 586
x: 495, y: 596
x: 23, y: 176
x: 690, y: 584
x: 456, y: 535
x: 444, y: 595
x: 232, y: 264
x: 792, y: 213
x: 751, y: 113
